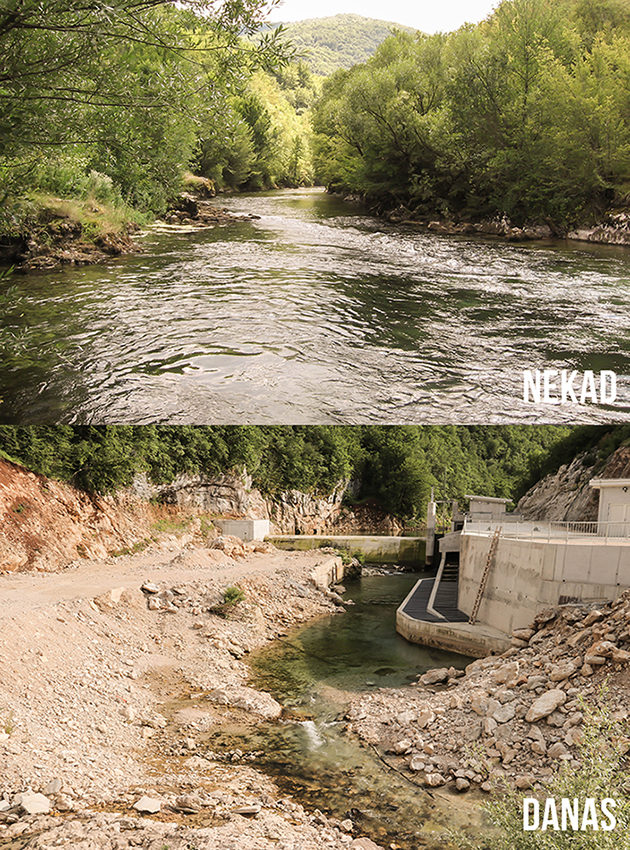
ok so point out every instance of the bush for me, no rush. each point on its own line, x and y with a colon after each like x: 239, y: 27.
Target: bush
x: 233, y: 595
x: 601, y: 775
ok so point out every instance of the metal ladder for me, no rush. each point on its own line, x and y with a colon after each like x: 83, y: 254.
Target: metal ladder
x: 484, y: 576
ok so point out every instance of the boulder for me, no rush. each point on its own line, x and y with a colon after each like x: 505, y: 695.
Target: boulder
x: 148, y: 805
x: 564, y: 670
x: 34, y: 804
x: 425, y: 718
x: 434, y: 677
x: 364, y: 844
x: 545, y: 704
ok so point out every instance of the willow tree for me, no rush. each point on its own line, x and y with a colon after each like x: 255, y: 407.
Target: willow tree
x: 120, y: 84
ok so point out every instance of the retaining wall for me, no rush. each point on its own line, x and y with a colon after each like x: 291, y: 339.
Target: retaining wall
x: 407, y: 551
x: 530, y: 575
x: 328, y: 572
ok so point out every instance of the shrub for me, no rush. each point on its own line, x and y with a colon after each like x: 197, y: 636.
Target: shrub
x: 233, y: 595
x: 601, y: 775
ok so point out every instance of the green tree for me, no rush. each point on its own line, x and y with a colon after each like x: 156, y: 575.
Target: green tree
x: 123, y: 83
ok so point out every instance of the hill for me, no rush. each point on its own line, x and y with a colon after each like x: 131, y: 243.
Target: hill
x: 340, y: 41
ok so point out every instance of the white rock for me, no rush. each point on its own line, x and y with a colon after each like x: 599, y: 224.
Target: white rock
x: 148, y: 805
x: 34, y: 804
x: 545, y: 704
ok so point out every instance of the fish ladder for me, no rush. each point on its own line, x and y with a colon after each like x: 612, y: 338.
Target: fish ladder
x: 484, y: 576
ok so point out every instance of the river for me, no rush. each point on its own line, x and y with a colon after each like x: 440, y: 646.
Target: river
x: 315, y: 313
x: 314, y: 672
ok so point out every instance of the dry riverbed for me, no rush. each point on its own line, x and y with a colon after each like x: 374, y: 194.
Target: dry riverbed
x: 111, y: 672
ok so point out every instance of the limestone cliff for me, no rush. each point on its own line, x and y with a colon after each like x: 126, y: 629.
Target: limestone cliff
x: 566, y: 495
x: 290, y: 512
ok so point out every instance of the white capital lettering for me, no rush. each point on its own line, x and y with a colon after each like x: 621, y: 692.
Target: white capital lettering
x: 588, y: 387
x: 550, y: 817
x: 605, y: 805
x: 566, y: 386
x: 531, y: 386
x: 530, y: 806
x: 572, y: 814
x: 589, y: 818
x: 548, y: 385
x: 611, y: 377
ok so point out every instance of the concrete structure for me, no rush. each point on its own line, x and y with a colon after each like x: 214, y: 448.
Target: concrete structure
x: 478, y: 640
x: 529, y: 575
x: 328, y: 572
x: 406, y: 551
x: 614, y: 499
x: 535, y: 565
x: 246, y: 529
x: 487, y: 507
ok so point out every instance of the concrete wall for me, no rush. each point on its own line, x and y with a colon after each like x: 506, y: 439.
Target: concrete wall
x: 246, y: 529
x: 407, y: 551
x: 477, y: 641
x: 328, y: 572
x: 528, y: 576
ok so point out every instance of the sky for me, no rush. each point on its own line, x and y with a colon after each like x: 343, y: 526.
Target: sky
x: 426, y: 15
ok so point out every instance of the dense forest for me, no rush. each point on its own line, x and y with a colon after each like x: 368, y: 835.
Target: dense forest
x: 526, y: 114
x: 341, y: 41
x: 395, y: 465
x: 110, y: 104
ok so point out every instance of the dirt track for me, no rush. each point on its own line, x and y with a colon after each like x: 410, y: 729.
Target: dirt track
x: 86, y: 666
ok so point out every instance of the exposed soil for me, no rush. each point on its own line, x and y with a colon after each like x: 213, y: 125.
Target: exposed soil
x: 90, y: 664
x: 114, y: 664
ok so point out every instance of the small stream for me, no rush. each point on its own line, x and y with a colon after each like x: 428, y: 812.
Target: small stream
x: 314, y: 672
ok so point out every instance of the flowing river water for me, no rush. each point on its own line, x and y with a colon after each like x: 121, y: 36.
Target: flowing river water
x: 314, y: 672
x: 315, y: 313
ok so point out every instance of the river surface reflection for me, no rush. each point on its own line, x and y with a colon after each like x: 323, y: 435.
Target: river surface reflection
x: 314, y: 313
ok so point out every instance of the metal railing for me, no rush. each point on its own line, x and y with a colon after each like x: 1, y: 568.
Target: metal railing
x: 596, y: 532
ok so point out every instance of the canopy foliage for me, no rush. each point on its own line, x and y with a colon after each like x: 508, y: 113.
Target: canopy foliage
x: 526, y: 114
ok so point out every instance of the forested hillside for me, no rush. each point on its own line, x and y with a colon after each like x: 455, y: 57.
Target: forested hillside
x: 395, y: 465
x: 341, y: 41
x: 526, y: 114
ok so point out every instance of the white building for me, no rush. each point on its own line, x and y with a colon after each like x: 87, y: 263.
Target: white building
x: 533, y: 566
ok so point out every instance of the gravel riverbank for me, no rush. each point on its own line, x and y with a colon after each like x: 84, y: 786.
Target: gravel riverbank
x: 90, y: 657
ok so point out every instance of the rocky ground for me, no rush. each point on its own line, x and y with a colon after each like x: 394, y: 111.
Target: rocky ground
x: 113, y: 668
x: 511, y: 719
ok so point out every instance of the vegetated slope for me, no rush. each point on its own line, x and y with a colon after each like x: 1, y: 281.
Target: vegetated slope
x: 340, y: 41
x: 478, y: 124
x: 396, y: 466
x: 45, y: 524
x: 563, y: 492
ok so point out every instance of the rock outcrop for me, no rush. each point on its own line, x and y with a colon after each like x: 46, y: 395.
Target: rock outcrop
x: 566, y: 495
x: 290, y: 512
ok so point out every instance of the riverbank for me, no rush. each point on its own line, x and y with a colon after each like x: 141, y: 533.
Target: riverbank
x: 612, y: 229
x: 57, y: 232
x: 509, y: 720
x: 92, y: 756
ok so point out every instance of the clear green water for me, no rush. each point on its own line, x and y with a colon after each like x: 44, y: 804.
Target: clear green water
x: 314, y: 672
